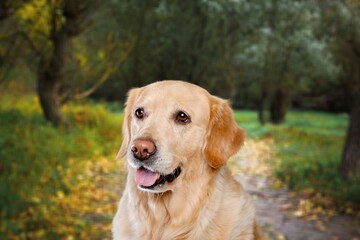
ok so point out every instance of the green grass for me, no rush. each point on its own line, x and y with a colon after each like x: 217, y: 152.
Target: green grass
x: 35, y: 156
x: 308, y: 152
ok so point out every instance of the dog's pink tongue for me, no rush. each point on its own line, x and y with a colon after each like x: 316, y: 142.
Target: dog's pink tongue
x: 145, y: 177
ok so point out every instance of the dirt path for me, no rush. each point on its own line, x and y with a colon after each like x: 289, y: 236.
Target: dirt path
x: 278, y: 211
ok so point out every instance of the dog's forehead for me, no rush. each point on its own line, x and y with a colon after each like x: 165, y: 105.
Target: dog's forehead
x: 174, y: 93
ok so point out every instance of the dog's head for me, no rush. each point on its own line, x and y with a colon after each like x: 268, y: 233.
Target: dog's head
x: 172, y: 129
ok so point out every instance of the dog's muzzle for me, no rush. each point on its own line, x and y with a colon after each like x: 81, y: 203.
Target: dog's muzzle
x: 149, y: 180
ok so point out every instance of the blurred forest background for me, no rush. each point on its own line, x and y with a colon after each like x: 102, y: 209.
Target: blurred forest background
x: 66, y: 65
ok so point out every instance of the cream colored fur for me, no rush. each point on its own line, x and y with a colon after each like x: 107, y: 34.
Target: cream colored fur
x: 204, y: 202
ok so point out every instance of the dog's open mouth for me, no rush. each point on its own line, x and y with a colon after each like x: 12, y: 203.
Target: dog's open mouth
x: 148, y: 179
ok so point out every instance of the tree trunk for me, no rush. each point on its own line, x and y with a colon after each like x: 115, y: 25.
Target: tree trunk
x: 262, y: 106
x: 265, y: 86
x: 265, y: 83
x: 350, y: 163
x: 50, y: 77
x: 279, y: 105
x: 51, y: 69
x: 48, y: 89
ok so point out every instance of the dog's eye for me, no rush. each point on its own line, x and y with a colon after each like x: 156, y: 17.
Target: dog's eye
x: 182, y: 117
x: 139, y: 113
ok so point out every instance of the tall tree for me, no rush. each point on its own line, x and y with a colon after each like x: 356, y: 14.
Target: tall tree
x: 348, y: 52
x: 283, y: 56
x: 55, y: 37
x: 65, y: 22
x: 340, y: 25
x: 197, y: 47
x: 350, y: 164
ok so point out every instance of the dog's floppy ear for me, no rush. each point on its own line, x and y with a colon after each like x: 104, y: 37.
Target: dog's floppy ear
x: 224, y: 137
x: 132, y: 96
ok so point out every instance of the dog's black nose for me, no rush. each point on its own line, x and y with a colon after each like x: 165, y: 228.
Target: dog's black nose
x: 142, y: 149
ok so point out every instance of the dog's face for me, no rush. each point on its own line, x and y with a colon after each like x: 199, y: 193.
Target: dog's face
x: 171, y: 130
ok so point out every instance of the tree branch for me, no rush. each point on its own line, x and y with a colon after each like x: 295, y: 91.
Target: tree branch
x: 66, y: 97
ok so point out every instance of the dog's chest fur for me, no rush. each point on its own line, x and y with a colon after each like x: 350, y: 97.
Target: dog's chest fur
x: 201, y: 216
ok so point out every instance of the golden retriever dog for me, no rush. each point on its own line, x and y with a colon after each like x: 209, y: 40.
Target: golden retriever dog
x: 177, y: 139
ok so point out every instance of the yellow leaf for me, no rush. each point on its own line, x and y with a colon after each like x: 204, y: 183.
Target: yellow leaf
x: 298, y: 213
x: 280, y: 236
x: 276, y: 184
x: 60, y: 194
x: 101, y: 55
x: 321, y: 226
x: 35, y: 199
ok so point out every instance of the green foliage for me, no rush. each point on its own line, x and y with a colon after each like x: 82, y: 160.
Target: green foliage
x: 35, y: 158
x: 215, y: 44
x: 308, y: 152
